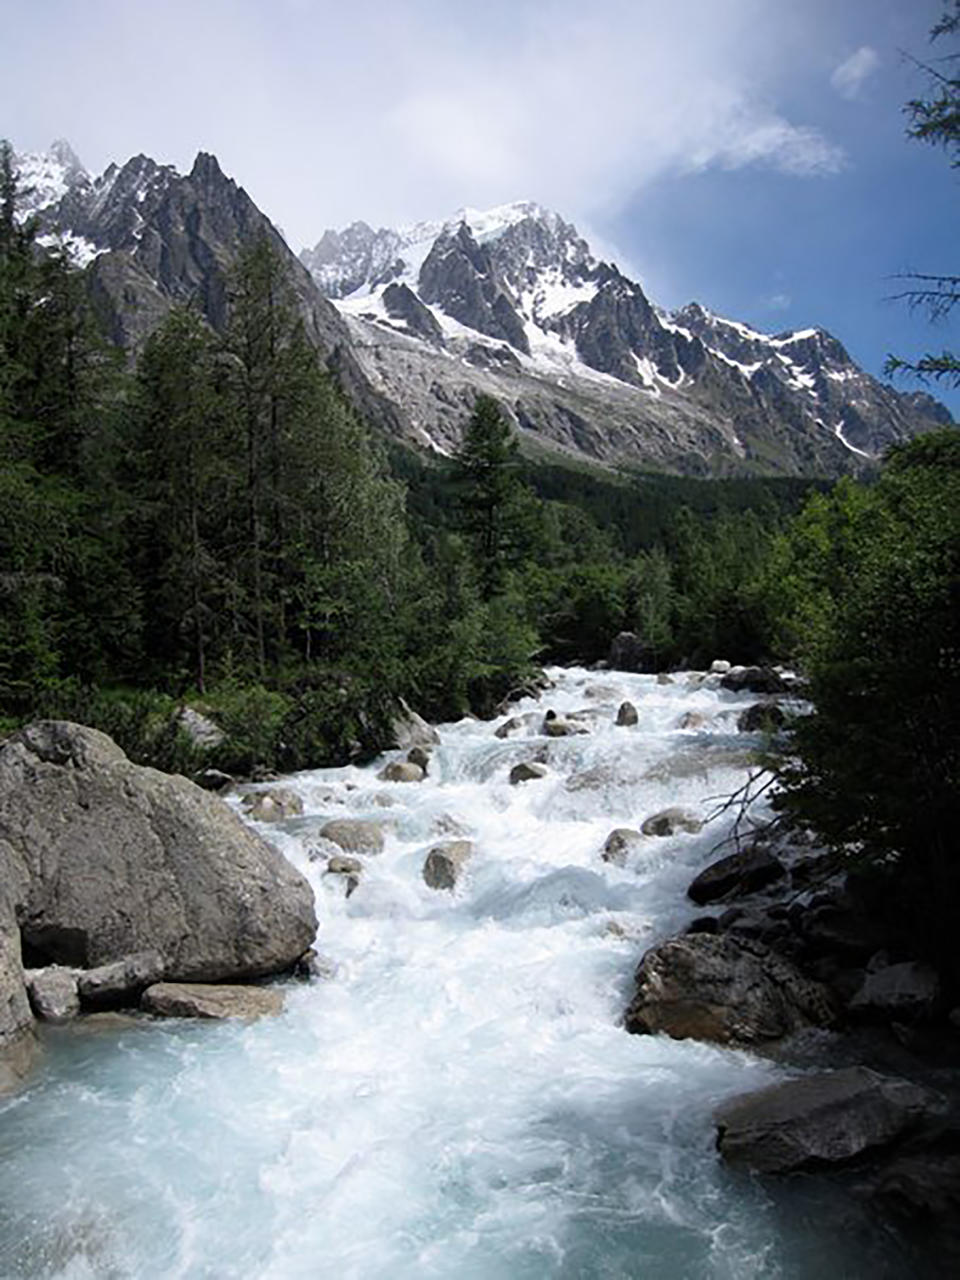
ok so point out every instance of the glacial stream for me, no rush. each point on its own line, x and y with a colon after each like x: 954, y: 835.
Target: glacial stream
x: 457, y: 1098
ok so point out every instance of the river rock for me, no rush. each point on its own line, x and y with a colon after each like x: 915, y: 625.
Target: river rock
x: 664, y: 678
x: 18, y: 1044
x: 354, y: 835
x: 419, y: 756
x: 627, y: 714
x: 555, y: 726
x: 204, y: 1000
x: 104, y: 859
x: 619, y: 844
x: 823, y: 1120
x: 753, y: 680
x: 762, y: 717
x: 408, y: 729
x: 527, y: 771
x: 53, y: 993
x: 719, y: 667
x: 401, y: 771
x: 445, y: 862
x: 273, y: 806
x: 214, y: 780
x: 111, y: 985
x: 692, y: 720
x: 908, y: 992
x: 725, y: 989
x: 669, y: 821
x: 737, y: 874
x: 513, y: 725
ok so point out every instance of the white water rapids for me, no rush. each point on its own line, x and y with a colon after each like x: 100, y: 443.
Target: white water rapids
x: 459, y: 1099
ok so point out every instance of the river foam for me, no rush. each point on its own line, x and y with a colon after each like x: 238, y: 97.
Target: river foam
x: 458, y: 1098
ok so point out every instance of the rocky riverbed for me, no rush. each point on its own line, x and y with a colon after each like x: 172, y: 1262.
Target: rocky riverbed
x: 450, y: 1087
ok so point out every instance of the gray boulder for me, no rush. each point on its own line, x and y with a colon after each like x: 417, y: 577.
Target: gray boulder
x: 445, y: 862
x: 200, y: 729
x: 664, y: 678
x: 692, y: 720
x: 203, y: 1000
x: 725, y: 989
x: 103, y: 859
x: 513, y: 725
x: 627, y: 714
x: 419, y: 756
x: 619, y: 844
x: 738, y: 874
x: 53, y: 993
x: 527, y: 771
x: 18, y: 1044
x: 120, y: 983
x: 555, y: 726
x: 669, y: 821
x: 401, y: 771
x: 408, y: 729
x: 821, y: 1121
x: 907, y: 992
x: 753, y: 680
x: 354, y: 835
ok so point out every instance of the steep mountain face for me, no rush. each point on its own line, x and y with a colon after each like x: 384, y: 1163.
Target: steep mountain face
x: 513, y: 302
x: 151, y: 237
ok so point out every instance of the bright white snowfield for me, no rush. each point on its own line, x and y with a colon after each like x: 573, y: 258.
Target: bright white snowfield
x: 458, y: 1100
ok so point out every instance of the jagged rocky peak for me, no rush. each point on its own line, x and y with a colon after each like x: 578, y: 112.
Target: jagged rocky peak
x: 45, y: 177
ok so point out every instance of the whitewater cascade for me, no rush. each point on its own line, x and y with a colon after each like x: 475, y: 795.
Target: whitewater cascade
x: 457, y: 1098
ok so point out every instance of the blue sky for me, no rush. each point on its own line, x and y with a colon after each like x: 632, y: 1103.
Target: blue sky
x: 746, y: 153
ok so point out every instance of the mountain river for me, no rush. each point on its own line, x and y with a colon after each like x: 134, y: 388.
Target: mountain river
x: 457, y: 1098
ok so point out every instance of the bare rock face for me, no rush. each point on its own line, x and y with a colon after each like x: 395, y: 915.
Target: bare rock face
x: 104, y: 859
x: 445, y: 862
x: 724, y: 989
x: 18, y: 1045
x: 201, y: 1000
x: 821, y: 1121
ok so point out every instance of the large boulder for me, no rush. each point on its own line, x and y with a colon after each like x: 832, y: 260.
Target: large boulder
x: 820, y: 1121
x: 18, y: 1045
x: 908, y: 992
x: 628, y: 652
x: 619, y: 844
x: 103, y: 859
x: 729, y: 990
x: 408, y: 729
x: 669, y: 821
x: 445, y: 862
x: 354, y: 835
x: 527, y: 771
x: 122, y: 982
x: 53, y: 992
x: 737, y: 874
x: 401, y: 771
x: 762, y: 717
x: 753, y: 680
x: 627, y: 714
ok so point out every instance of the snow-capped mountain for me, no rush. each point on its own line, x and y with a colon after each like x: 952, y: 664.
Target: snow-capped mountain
x: 510, y: 301
x: 513, y: 301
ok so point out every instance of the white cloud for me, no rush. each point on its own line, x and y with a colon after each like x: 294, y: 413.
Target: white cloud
x: 850, y: 76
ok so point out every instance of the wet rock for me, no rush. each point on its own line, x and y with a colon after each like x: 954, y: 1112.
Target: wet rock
x: 619, y: 844
x: 200, y: 729
x: 527, y: 771
x: 723, y: 989
x: 907, y: 992
x: 762, y: 717
x: 825, y: 1120
x: 322, y: 850
x: 513, y: 725
x: 532, y: 688
x: 53, y: 993
x: 628, y: 652
x: 627, y: 714
x: 408, y: 729
x: 600, y: 692
x: 834, y: 924
x: 753, y: 680
x: 273, y: 806
x: 445, y: 862
x: 663, y: 678
x: 105, y: 859
x: 203, y: 1000
x: 692, y: 720
x: 401, y: 771
x: 555, y: 726
x: 341, y: 865
x: 313, y: 965
x: 703, y: 924
x: 719, y: 667
x: 419, y: 756
x: 354, y: 835
x: 669, y: 821
x: 738, y: 874
x: 214, y: 780
x: 113, y: 985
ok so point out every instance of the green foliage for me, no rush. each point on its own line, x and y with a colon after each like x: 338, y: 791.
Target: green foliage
x: 877, y: 767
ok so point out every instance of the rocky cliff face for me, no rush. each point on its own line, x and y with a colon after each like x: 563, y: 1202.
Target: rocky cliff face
x: 151, y: 237
x: 521, y: 309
